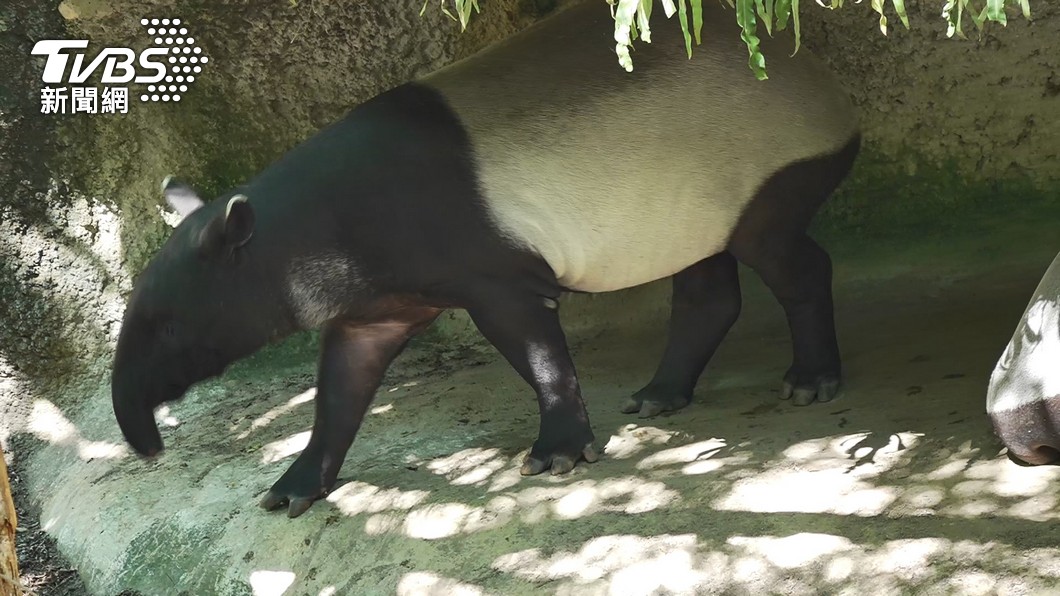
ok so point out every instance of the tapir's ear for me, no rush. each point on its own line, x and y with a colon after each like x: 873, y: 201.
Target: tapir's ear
x: 181, y: 197
x: 239, y: 221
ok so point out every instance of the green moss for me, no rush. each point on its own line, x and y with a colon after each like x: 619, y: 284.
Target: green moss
x: 25, y: 309
x: 163, y: 556
x: 913, y: 198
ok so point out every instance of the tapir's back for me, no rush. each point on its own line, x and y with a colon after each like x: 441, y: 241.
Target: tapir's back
x: 620, y: 178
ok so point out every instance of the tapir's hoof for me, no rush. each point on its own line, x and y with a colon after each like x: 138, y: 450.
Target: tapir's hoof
x: 803, y: 390
x: 558, y: 463
x: 303, y: 483
x: 652, y: 401
x: 296, y: 506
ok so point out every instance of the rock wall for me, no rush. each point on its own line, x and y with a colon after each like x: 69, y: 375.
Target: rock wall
x: 967, y: 124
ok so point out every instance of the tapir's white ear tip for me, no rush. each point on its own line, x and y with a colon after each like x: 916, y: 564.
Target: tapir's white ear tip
x: 166, y: 181
x: 235, y: 199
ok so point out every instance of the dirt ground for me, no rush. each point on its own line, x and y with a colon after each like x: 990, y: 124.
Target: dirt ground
x: 42, y: 568
x: 898, y: 487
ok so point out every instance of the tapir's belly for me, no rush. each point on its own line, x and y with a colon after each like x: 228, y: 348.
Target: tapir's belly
x: 608, y: 224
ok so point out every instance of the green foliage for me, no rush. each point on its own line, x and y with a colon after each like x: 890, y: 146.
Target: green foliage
x: 632, y: 20
x: 463, y: 10
x: 632, y: 15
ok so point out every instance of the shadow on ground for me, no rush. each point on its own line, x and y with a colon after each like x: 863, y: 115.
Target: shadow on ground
x: 897, y: 487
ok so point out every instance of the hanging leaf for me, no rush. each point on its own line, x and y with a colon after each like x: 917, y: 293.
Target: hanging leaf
x: 981, y: 19
x: 765, y: 9
x: 682, y: 15
x: 745, y: 17
x: 624, y: 14
x: 899, y: 7
x: 960, y: 19
x: 632, y: 20
x: 877, y: 5
x: 782, y: 10
x: 952, y: 20
x: 643, y: 15
x: 697, y: 20
x: 995, y: 11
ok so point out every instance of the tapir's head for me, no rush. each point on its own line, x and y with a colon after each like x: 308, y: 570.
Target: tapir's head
x: 1023, y: 399
x: 196, y: 308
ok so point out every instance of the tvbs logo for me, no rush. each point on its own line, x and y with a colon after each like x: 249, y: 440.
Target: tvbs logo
x: 167, y: 68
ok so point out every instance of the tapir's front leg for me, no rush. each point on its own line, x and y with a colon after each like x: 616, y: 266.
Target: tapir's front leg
x: 526, y: 330
x: 353, y: 359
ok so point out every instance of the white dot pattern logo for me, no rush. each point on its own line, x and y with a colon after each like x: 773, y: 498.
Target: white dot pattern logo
x: 168, y: 34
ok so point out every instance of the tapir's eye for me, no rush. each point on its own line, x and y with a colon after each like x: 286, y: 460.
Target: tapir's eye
x: 169, y: 330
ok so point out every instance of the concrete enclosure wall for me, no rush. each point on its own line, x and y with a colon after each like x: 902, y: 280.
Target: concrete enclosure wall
x: 954, y: 123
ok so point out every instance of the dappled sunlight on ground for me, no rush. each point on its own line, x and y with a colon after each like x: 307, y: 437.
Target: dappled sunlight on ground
x: 637, y: 564
x: 284, y: 448
x: 407, y: 513
x: 270, y: 416
x: 995, y: 487
x: 685, y: 508
x: 271, y: 583
x: 803, y: 563
x: 632, y: 439
x: 469, y: 466
x: 701, y: 457
x: 841, y: 477
x: 355, y: 498
x: 49, y: 424
x: 423, y: 583
x: 817, y: 476
x: 165, y: 418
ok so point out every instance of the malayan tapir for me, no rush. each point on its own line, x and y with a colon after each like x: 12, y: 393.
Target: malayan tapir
x: 494, y: 185
x: 1023, y: 398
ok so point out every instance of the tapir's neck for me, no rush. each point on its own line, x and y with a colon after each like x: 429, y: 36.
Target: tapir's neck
x: 322, y: 286
x: 261, y: 294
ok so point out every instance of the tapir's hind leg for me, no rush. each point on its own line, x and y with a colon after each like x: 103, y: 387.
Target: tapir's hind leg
x: 706, y: 302
x: 799, y: 272
x: 771, y: 238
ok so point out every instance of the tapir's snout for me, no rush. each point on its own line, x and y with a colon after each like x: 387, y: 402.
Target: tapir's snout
x: 134, y: 402
x: 1031, y: 431
x: 136, y: 419
x: 1023, y: 399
